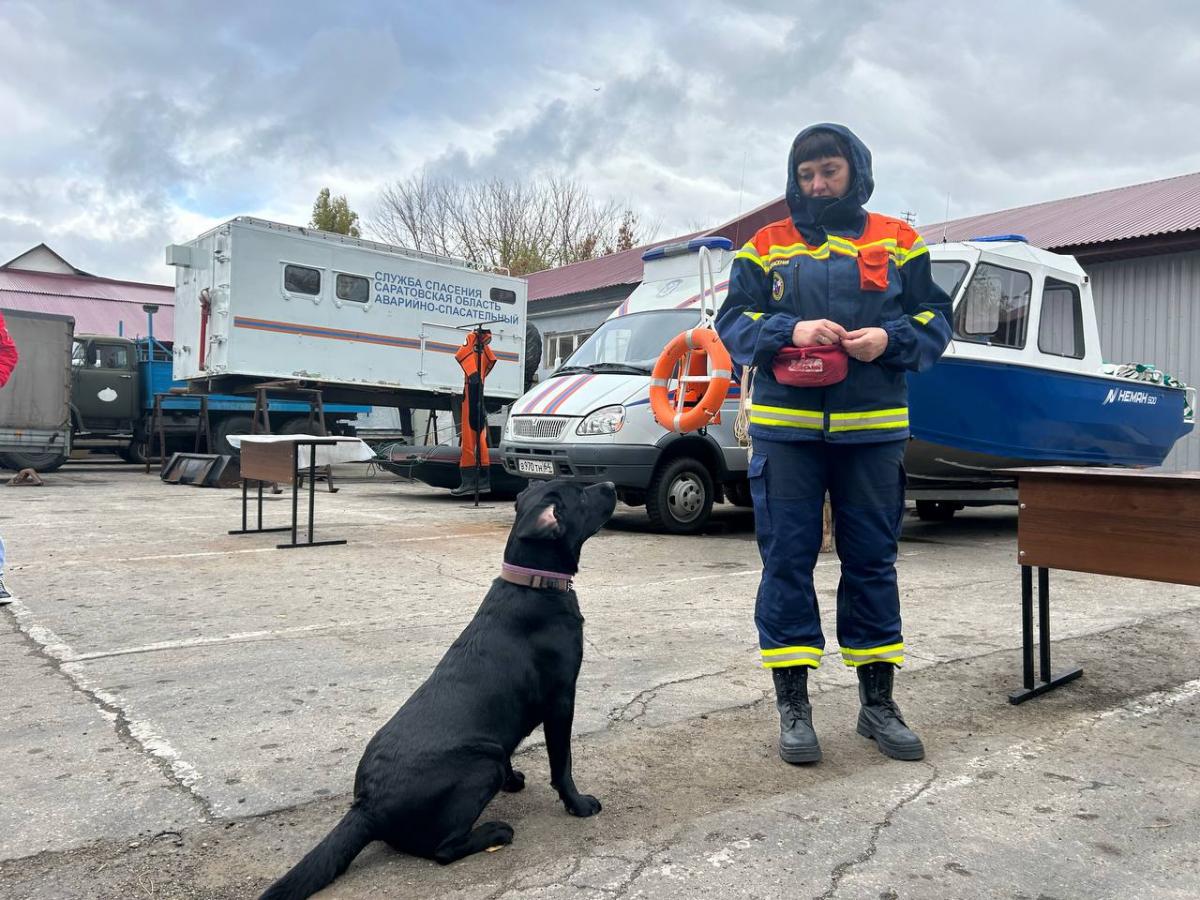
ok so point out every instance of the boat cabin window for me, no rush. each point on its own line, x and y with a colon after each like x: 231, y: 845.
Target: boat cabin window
x: 995, y: 307
x: 302, y: 280
x: 1061, y: 330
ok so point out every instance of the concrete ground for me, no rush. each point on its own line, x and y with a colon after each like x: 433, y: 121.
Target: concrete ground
x: 183, y: 711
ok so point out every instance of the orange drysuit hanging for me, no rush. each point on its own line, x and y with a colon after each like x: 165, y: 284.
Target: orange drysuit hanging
x: 477, y: 361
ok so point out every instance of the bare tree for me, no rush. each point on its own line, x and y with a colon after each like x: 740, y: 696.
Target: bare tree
x: 522, y: 226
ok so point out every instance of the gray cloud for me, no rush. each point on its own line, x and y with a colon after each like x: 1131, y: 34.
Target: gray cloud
x: 130, y: 123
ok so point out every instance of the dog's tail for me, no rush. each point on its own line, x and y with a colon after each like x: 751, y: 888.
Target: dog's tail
x: 326, y: 861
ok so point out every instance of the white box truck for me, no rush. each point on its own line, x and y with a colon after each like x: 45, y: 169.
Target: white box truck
x: 257, y: 301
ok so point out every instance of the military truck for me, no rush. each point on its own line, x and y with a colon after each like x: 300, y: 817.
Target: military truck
x: 113, y: 386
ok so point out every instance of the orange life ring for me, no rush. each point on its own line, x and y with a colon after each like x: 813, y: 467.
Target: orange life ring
x: 687, y: 354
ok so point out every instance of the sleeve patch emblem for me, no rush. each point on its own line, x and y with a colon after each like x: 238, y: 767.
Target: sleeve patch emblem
x: 776, y: 286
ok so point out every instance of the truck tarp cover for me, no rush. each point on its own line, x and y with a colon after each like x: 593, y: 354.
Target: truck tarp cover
x: 38, y: 394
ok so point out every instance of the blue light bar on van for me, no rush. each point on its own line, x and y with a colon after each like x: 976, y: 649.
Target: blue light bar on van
x: 683, y: 247
x: 1003, y: 237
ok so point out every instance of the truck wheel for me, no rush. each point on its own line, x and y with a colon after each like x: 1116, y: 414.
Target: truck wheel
x: 679, y: 499
x: 936, y: 510
x: 297, y: 425
x: 228, y: 426
x: 39, y: 462
x: 134, y: 451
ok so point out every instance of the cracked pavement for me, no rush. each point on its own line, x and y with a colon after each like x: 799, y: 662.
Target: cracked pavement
x: 185, y: 708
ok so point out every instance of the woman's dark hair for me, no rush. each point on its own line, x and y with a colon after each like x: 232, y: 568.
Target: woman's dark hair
x: 818, y: 145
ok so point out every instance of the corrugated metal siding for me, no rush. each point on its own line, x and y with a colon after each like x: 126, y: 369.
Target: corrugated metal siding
x: 1140, y: 210
x: 1149, y: 311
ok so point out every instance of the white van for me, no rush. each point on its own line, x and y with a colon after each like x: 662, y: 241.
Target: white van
x: 591, y: 419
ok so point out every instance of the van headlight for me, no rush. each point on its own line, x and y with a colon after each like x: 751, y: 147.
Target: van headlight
x: 605, y: 420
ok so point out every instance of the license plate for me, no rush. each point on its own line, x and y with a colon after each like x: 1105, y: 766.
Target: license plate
x: 535, y: 466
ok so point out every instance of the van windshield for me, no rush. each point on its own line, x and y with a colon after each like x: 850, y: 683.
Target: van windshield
x: 631, y: 343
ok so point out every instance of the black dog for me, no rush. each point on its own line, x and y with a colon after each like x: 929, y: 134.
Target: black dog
x: 429, y: 772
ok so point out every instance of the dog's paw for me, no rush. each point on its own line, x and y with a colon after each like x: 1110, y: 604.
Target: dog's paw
x: 582, y: 805
x: 495, y: 834
x: 515, y: 782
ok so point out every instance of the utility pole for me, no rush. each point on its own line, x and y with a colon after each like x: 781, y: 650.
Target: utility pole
x: 909, y: 217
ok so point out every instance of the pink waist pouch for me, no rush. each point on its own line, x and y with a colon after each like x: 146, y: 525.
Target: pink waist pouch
x: 814, y: 366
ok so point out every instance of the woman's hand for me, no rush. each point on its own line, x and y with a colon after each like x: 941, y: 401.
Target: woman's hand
x: 817, y: 331
x: 865, y: 344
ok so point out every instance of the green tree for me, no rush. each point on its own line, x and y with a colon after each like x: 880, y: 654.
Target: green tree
x: 334, y: 214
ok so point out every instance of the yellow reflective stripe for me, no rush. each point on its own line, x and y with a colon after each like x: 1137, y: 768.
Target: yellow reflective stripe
x: 784, y: 423
x: 784, y: 417
x: 781, y: 255
x: 874, y: 419
x: 925, y: 317
x: 785, y: 663
x: 786, y: 411
x: 780, y: 657
x: 871, y: 651
x: 855, y: 662
x: 753, y: 315
x: 870, y: 414
x: 750, y: 253
x: 779, y: 651
x: 873, y: 426
x: 892, y: 653
x: 852, y: 248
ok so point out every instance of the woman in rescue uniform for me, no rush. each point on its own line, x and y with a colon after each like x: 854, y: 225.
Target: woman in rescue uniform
x: 832, y: 274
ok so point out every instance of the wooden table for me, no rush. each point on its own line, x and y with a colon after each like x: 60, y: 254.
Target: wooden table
x: 280, y: 462
x: 1124, y: 522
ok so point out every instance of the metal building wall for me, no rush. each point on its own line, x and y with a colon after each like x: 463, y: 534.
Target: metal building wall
x: 1149, y: 311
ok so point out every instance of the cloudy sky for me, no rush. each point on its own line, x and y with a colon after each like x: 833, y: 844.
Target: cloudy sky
x: 128, y: 125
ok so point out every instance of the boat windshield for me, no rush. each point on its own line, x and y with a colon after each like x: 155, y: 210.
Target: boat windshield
x: 631, y: 344
x: 948, y: 275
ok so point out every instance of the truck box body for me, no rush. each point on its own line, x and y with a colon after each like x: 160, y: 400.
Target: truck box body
x: 259, y: 301
x: 35, y: 414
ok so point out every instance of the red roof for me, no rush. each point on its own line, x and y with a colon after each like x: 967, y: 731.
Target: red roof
x: 98, y: 305
x: 626, y: 267
x: 1161, y: 207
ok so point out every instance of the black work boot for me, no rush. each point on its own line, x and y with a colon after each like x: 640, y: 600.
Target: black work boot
x: 467, y: 486
x: 880, y: 719
x: 797, y: 740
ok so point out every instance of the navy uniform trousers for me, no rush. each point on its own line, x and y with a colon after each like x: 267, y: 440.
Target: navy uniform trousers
x: 788, y: 481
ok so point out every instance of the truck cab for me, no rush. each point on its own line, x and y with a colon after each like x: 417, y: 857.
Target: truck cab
x: 105, y: 388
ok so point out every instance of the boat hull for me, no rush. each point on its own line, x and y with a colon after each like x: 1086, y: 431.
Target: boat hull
x: 970, y: 416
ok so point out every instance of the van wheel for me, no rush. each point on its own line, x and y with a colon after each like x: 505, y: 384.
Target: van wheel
x: 228, y: 426
x: 679, y: 499
x: 738, y: 493
x: 936, y: 510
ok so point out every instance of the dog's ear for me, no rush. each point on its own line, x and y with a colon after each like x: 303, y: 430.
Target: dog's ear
x: 539, y: 524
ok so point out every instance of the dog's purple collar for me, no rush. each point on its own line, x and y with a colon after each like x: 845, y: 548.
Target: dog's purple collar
x: 535, y: 578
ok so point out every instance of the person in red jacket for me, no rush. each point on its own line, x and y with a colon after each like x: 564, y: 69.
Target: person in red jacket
x: 8, y: 354
x: 8, y: 362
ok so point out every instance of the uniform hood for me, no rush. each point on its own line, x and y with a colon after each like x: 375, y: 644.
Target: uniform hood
x: 814, y: 216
